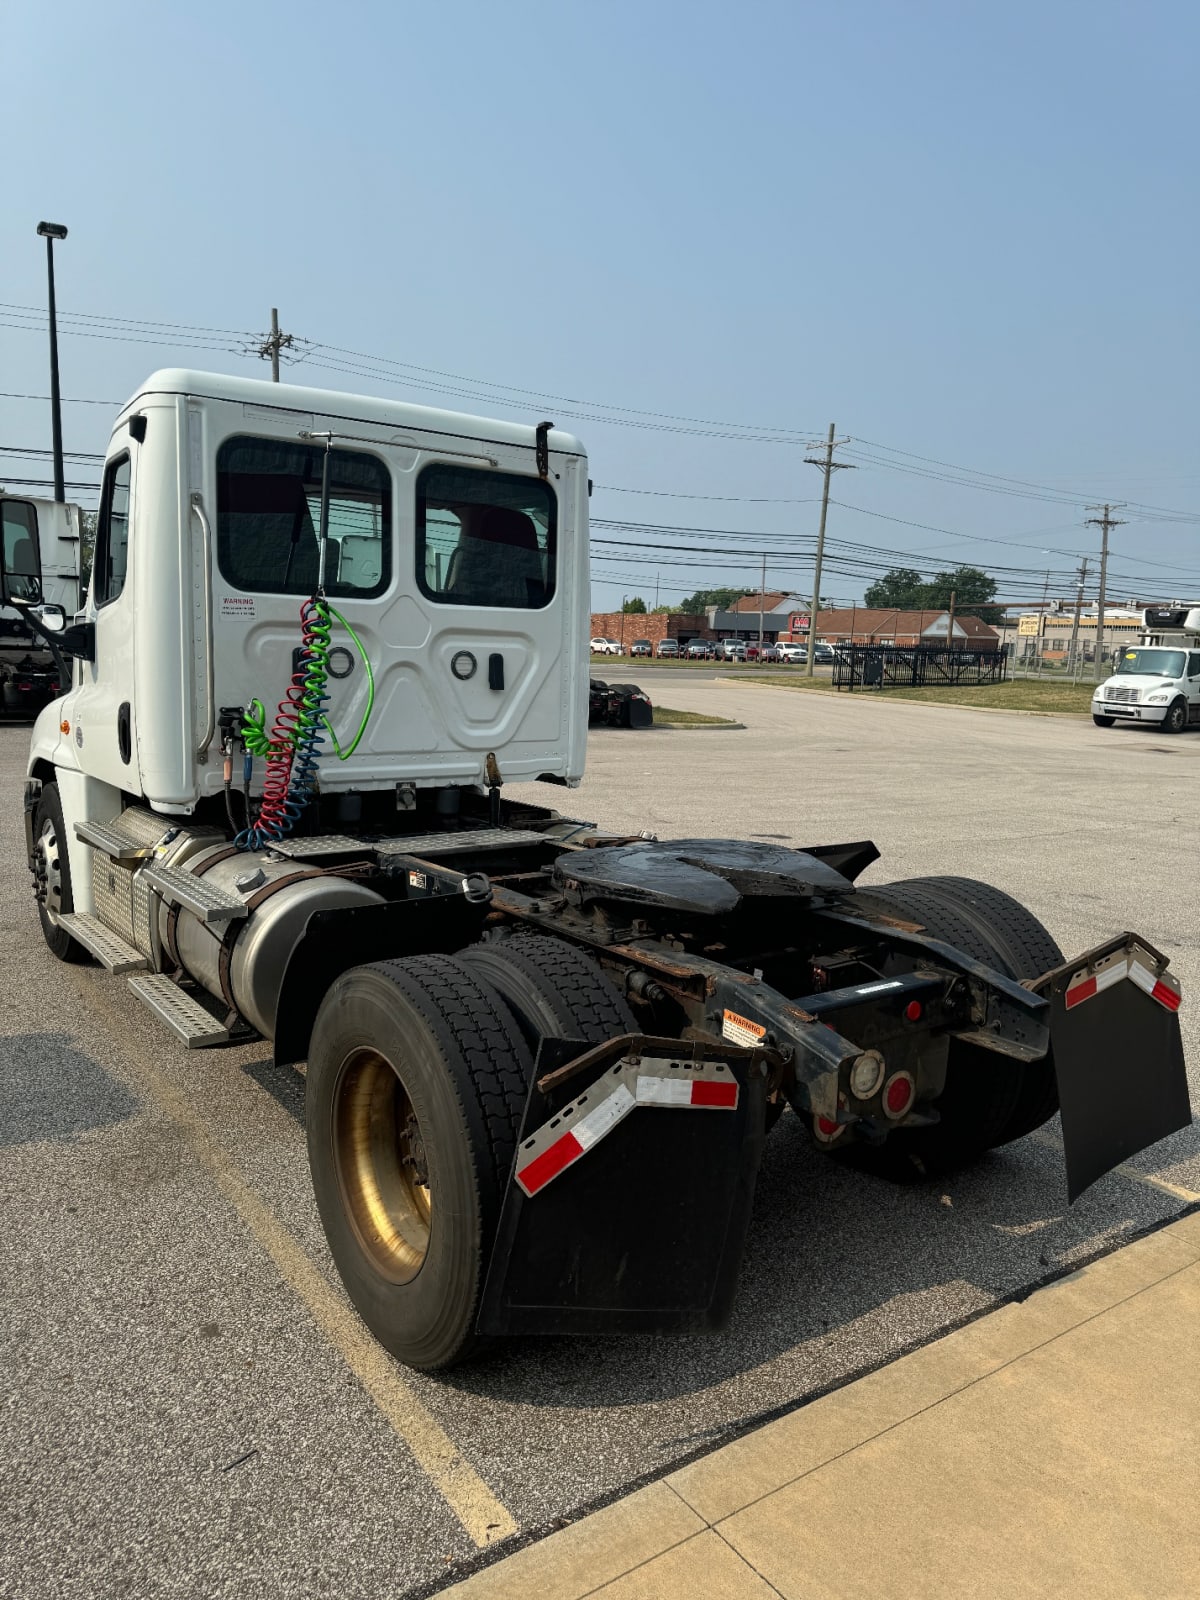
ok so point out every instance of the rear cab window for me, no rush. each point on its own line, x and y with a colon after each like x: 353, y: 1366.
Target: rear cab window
x: 485, y: 538
x: 269, y: 517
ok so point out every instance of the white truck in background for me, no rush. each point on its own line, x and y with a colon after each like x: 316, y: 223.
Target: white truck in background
x: 1157, y: 680
x: 40, y: 542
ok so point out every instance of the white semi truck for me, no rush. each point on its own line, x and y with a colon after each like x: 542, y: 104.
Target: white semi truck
x: 540, y: 1061
x: 40, y: 542
x: 1156, y: 680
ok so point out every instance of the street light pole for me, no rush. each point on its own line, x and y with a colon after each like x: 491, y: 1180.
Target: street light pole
x: 51, y: 231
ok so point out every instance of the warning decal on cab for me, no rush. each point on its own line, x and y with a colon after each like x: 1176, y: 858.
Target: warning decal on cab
x: 740, y: 1030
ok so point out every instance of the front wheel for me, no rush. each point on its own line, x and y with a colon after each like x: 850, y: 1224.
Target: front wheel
x: 1103, y: 722
x: 417, y: 1078
x: 52, y: 875
x: 1176, y: 718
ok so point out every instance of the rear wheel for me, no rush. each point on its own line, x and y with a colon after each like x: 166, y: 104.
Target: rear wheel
x: 552, y: 989
x: 417, y: 1077
x: 989, y: 1099
x: 52, y: 875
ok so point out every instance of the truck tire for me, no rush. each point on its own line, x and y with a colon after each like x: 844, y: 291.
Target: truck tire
x: 1103, y: 722
x: 552, y: 989
x: 53, y: 874
x: 1176, y: 719
x: 989, y: 1099
x: 417, y: 1079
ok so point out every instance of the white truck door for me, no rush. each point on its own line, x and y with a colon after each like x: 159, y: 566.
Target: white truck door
x: 1193, y: 686
x: 102, y: 711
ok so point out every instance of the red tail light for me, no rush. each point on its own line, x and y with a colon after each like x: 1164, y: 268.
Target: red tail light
x: 899, y: 1092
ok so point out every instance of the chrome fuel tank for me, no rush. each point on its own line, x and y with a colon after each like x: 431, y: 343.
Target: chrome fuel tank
x: 242, y: 961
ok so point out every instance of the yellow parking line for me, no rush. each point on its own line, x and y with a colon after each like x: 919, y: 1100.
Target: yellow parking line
x: 473, y: 1503
x: 1051, y: 1143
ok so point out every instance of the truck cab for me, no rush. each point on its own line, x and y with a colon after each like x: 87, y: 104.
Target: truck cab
x: 455, y: 556
x: 39, y: 563
x: 1156, y: 680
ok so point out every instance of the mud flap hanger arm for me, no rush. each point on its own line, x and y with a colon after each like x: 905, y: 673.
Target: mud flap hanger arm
x: 1010, y: 1017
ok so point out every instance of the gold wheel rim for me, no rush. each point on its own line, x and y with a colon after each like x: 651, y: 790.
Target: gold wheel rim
x: 381, y: 1164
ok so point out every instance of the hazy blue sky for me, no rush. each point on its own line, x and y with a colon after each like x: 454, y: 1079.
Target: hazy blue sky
x: 963, y: 231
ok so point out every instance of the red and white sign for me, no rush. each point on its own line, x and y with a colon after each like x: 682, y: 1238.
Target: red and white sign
x: 798, y: 622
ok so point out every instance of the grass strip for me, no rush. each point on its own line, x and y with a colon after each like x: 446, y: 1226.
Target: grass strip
x: 1021, y: 694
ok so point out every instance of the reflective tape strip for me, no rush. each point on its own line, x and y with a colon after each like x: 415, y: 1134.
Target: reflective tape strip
x: 568, y: 1148
x: 1097, y: 981
x: 580, y: 1133
x: 652, y: 1091
x: 1164, y: 991
x: 1157, y: 988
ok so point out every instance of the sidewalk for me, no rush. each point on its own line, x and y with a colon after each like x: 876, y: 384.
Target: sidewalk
x: 1051, y: 1448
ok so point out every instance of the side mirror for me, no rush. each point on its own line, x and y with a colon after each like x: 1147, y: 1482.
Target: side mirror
x: 51, y: 616
x: 79, y: 640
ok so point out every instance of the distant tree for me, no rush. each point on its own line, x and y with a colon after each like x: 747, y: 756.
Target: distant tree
x: 972, y: 589
x: 635, y: 607
x: 703, y: 598
x: 904, y: 589
x: 901, y: 588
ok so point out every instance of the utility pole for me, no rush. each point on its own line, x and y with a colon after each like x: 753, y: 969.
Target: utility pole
x: 1073, y: 652
x: 657, y: 576
x: 269, y: 349
x: 1104, y: 522
x: 828, y: 467
x: 950, y: 621
x: 1042, y: 623
x: 761, y: 602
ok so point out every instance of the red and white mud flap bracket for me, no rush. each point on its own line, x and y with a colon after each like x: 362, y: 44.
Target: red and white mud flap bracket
x: 629, y: 1202
x: 1118, y: 1055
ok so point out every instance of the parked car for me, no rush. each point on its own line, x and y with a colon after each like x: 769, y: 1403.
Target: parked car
x: 733, y: 650
x: 793, y: 652
x: 668, y: 647
x: 606, y: 647
x: 769, y: 652
x: 700, y: 650
x: 641, y: 647
x: 824, y: 654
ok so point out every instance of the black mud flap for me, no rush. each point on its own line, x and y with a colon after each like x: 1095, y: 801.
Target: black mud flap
x: 637, y: 1225
x: 1118, y: 1056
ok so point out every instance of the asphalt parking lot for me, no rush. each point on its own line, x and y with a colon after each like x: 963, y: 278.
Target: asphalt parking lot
x: 189, y: 1407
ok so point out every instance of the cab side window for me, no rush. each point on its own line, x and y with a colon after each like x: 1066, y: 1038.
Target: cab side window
x: 111, y: 560
x: 20, y: 571
x: 1194, y: 664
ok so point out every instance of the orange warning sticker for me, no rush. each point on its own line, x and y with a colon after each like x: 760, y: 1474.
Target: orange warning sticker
x: 740, y: 1030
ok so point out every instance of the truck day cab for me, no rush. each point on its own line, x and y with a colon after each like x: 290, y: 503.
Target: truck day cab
x: 39, y: 564
x: 1156, y: 680
x: 541, y: 1060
